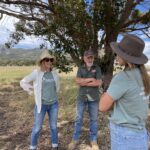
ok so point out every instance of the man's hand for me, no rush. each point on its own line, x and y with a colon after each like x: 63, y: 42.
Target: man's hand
x: 88, y: 82
x: 95, y: 82
x: 82, y: 81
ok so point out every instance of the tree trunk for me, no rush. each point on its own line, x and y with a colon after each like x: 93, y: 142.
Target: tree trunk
x: 109, y: 60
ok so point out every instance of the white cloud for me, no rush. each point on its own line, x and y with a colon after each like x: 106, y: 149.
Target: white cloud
x: 30, y: 42
x: 8, y: 22
x: 147, y: 49
x: 7, y: 27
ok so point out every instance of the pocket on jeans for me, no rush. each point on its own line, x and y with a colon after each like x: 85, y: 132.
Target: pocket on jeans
x: 136, y: 141
x: 134, y: 137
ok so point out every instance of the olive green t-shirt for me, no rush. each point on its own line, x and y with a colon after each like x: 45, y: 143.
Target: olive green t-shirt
x: 131, y: 105
x: 49, y: 94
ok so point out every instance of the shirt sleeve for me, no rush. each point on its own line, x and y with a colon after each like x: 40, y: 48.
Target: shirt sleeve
x: 79, y: 73
x: 98, y: 73
x: 25, y: 82
x: 117, y: 87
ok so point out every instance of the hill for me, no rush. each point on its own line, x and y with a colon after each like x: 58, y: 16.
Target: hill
x: 18, y: 56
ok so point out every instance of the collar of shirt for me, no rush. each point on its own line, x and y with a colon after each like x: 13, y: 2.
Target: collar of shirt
x: 84, y: 66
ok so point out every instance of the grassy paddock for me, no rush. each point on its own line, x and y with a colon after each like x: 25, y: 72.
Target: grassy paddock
x: 68, y: 90
x: 9, y: 74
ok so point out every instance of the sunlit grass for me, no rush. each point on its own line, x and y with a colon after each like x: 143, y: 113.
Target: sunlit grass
x: 147, y: 67
x: 10, y: 74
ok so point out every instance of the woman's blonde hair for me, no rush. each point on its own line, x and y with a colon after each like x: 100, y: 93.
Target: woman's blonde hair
x: 144, y: 74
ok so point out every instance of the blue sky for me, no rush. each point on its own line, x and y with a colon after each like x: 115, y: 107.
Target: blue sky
x: 7, y: 27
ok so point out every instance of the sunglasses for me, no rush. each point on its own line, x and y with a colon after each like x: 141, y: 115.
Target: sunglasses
x: 48, y: 59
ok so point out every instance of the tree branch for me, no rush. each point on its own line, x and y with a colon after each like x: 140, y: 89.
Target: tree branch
x: 148, y: 35
x: 20, y: 16
x: 134, y: 29
x: 21, y: 2
x: 126, y: 12
x: 135, y: 21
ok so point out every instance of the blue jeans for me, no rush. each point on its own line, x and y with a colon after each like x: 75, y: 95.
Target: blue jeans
x: 123, y: 138
x: 93, y: 115
x: 52, y: 111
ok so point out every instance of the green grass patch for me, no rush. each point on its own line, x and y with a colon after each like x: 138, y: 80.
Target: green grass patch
x: 9, y: 74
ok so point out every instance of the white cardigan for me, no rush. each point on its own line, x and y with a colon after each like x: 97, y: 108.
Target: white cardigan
x: 36, y: 77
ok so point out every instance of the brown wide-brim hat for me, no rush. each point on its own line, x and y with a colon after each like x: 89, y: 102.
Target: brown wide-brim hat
x: 45, y: 54
x: 130, y: 49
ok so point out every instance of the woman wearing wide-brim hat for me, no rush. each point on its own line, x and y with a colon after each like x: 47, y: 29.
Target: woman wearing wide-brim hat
x: 128, y: 96
x: 45, y: 88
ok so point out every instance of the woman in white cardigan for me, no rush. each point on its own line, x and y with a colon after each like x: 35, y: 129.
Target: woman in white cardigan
x: 44, y: 83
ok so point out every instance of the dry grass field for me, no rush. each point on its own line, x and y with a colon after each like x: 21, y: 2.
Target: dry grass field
x: 9, y: 74
x: 16, y: 114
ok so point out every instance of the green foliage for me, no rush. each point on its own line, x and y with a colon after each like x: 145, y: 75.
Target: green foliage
x: 15, y: 38
x: 136, y: 13
x: 146, y: 19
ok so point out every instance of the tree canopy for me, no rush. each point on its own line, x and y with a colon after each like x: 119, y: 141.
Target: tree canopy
x: 73, y: 26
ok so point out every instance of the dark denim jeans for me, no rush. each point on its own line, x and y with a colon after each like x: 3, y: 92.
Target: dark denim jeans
x: 52, y: 111
x: 93, y: 115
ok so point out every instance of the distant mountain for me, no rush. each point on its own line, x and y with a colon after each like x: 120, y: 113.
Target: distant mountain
x: 18, y: 54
